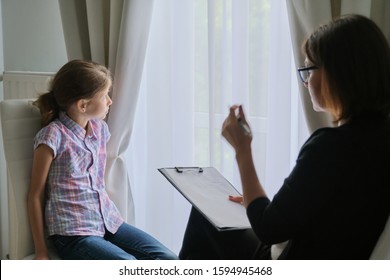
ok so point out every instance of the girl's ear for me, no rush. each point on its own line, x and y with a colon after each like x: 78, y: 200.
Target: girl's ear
x: 82, y: 105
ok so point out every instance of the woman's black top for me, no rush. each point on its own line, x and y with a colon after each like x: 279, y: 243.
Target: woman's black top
x: 336, y: 201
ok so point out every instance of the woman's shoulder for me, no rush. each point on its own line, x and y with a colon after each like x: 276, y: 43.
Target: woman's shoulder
x: 326, y: 134
x: 350, y: 136
x: 328, y: 141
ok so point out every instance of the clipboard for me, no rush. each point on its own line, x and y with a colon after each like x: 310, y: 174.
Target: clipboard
x: 208, y: 190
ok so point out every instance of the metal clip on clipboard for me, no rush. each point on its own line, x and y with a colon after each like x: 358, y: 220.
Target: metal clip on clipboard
x: 181, y: 169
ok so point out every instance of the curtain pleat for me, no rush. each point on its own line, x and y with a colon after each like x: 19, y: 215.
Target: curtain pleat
x: 132, y: 44
x: 380, y: 13
x: 75, y: 26
x: 98, y: 16
x: 336, y: 8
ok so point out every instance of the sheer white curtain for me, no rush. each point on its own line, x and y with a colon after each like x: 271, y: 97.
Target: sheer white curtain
x: 202, y: 57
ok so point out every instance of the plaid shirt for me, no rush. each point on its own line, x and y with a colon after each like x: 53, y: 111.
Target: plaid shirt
x: 76, y: 200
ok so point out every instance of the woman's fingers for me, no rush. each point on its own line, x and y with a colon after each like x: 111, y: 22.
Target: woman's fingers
x: 237, y: 199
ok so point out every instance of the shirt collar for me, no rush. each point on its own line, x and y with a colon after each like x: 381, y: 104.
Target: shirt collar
x: 75, y: 127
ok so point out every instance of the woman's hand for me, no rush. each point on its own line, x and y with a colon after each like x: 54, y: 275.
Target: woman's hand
x: 234, y: 133
x: 236, y: 198
x: 240, y: 138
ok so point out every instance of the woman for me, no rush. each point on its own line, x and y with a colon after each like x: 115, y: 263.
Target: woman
x: 336, y: 201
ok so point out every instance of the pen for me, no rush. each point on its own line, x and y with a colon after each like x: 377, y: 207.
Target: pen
x: 245, y: 127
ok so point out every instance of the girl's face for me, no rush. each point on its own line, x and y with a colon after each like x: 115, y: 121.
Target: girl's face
x: 98, y: 106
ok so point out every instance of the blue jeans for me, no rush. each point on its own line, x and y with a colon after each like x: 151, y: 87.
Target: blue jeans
x: 128, y: 243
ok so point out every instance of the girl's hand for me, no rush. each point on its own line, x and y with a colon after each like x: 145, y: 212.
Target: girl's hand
x: 233, y: 131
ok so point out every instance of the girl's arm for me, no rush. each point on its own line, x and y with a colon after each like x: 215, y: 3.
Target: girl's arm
x: 241, y: 142
x: 43, y: 156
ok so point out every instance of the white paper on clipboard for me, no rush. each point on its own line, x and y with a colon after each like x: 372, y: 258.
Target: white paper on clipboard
x: 208, y: 191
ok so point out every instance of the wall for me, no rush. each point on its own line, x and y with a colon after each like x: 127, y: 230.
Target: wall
x: 31, y: 39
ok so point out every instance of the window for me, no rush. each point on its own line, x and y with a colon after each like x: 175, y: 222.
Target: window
x: 204, y: 56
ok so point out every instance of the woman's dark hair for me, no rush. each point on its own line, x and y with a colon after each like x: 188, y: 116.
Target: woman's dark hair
x: 77, y: 79
x: 355, y: 57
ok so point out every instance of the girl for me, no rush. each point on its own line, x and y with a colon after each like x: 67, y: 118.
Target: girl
x: 336, y: 201
x: 67, y: 184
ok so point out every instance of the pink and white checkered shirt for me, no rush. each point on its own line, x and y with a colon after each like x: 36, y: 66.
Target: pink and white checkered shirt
x: 76, y: 200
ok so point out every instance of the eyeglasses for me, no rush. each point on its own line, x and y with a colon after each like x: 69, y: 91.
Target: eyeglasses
x: 305, y: 72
